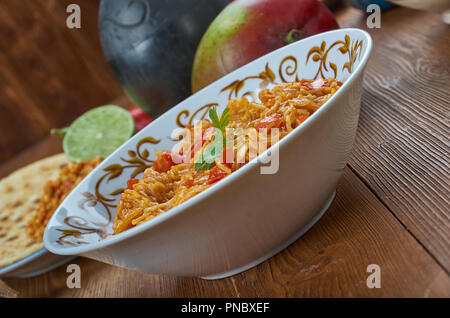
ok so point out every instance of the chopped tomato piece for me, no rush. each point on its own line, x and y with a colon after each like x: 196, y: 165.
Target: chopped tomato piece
x: 141, y: 119
x: 339, y: 83
x: 69, y: 183
x: 224, y: 157
x: 195, y: 148
x: 164, y: 162
x: 189, y: 183
x: 314, y: 84
x: 266, y: 99
x: 272, y: 120
x: 302, y: 118
x: 178, y: 158
x: 208, y: 133
x: 216, y: 174
x: 306, y: 83
x: 131, y: 183
x: 318, y: 83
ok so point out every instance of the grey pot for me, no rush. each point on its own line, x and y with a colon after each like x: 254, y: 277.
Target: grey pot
x: 150, y: 46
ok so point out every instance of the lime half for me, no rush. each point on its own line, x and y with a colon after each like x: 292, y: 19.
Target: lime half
x: 98, y: 132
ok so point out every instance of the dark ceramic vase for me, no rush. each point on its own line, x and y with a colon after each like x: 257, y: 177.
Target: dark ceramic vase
x: 150, y: 46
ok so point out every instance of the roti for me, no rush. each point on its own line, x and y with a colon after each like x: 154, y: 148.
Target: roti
x: 19, y: 197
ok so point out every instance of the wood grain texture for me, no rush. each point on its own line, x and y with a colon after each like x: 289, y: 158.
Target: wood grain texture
x: 49, y: 74
x: 329, y: 261
x: 402, y: 145
x: 332, y: 258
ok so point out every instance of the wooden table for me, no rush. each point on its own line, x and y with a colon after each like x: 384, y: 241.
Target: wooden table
x: 391, y: 207
x: 49, y: 74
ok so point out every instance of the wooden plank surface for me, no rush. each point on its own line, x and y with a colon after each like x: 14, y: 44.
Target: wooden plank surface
x: 49, y: 74
x: 402, y: 145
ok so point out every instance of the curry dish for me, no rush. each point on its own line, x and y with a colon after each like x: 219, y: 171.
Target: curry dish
x: 177, y: 177
x: 55, y: 191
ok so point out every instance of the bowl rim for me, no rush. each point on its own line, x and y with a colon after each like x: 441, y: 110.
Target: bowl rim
x: 146, y: 226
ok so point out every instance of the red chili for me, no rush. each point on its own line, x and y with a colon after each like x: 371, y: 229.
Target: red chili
x: 164, y: 162
x: 272, y: 120
x: 141, y: 119
x: 224, y: 158
x: 302, y: 118
x: 216, y: 174
x: 131, y: 183
x: 189, y: 183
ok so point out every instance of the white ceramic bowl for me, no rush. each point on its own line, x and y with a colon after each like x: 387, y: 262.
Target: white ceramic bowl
x: 248, y: 216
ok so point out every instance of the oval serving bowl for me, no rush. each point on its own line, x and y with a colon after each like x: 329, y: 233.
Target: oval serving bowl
x: 248, y: 216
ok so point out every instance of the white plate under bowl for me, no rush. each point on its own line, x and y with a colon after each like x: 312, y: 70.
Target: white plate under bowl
x: 37, y: 263
x: 248, y: 216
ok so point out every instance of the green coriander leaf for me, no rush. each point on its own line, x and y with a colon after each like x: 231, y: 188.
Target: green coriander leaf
x: 214, y: 117
x: 198, y: 165
x: 224, y: 119
x: 214, y: 150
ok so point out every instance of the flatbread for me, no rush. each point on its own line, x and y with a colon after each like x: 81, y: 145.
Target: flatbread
x: 19, y: 196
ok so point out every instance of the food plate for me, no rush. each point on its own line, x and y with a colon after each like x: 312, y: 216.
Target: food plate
x: 248, y: 216
x: 20, y: 254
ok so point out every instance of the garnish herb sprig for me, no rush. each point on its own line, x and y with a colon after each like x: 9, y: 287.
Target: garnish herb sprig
x: 215, y: 148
